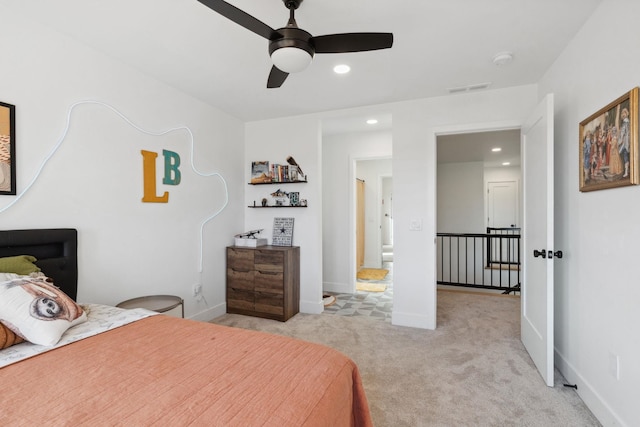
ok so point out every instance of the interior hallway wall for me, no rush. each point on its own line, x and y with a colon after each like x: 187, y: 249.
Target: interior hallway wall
x: 94, y: 182
x: 597, y: 292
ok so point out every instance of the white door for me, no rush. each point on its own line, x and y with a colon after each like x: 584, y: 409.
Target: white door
x: 537, y: 287
x: 502, y: 203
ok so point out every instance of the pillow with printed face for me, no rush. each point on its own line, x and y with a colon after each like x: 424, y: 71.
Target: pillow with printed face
x: 36, y: 310
x: 21, y: 264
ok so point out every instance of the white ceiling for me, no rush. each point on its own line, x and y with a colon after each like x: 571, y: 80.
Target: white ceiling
x: 477, y: 147
x: 438, y: 45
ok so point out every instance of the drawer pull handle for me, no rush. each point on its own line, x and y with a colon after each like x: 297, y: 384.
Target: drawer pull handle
x: 270, y: 273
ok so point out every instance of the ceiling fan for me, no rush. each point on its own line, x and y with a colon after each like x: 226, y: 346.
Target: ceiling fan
x: 292, y: 48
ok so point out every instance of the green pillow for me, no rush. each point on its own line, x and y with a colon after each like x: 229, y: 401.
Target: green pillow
x: 21, y: 264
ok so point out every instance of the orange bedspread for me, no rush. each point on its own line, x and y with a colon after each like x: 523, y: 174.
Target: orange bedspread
x: 176, y: 372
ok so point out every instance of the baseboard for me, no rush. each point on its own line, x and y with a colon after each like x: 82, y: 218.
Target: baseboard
x: 587, y: 393
x: 210, y: 313
x: 339, y: 288
x: 311, y: 307
x: 412, y: 320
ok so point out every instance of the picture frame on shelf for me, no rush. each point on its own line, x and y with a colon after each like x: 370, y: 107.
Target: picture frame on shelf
x: 282, y: 232
x: 609, y: 145
x: 294, y: 198
x: 7, y: 149
x: 260, y: 172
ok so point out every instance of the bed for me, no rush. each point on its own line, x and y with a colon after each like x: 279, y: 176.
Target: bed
x: 163, y: 370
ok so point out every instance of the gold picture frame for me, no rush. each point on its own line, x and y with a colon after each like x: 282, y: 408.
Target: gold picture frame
x: 609, y: 145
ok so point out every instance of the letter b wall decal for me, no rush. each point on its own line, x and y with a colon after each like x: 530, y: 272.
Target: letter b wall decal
x: 172, y: 175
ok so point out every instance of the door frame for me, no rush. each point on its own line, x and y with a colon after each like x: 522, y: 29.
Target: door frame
x: 461, y: 129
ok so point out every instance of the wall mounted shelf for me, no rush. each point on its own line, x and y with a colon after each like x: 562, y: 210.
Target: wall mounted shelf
x: 277, y: 182
x: 267, y: 207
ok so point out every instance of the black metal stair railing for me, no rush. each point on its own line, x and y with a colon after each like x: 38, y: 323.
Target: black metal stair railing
x: 476, y: 260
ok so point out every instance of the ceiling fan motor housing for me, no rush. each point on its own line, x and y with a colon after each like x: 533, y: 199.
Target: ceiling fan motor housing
x: 295, y: 38
x: 292, y: 4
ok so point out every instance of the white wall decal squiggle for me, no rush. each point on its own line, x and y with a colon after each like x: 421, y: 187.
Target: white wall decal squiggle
x: 161, y: 133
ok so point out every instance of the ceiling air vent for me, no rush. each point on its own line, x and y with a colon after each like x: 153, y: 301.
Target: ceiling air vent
x: 469, y: 88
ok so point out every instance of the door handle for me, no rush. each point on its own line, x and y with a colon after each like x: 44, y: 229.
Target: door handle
x: 542, y: 253
x: 557, y: 254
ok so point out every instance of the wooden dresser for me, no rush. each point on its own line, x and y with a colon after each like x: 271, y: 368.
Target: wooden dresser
x: 263, y: 281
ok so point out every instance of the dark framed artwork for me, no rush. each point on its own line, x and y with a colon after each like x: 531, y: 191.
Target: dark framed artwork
x: 7, y: 149
x: 609, y: 145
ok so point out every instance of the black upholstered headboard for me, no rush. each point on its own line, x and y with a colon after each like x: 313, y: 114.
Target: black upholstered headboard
x: 56, y: 250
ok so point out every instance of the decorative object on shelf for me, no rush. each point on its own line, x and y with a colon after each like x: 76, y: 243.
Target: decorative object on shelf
x: 263, y: 172
x: 264, y: 202
x: 303, y: 203
x: 294, y: 198
x: 281, y: 197
x: 282, y: 232
x: 7, y: 149
x: 297, y: 168
x: 260, y: 172
x: 250, y: 239
x: 609, y: 145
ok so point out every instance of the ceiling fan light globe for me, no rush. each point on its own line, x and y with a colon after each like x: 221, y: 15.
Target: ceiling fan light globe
x: 291, y: 59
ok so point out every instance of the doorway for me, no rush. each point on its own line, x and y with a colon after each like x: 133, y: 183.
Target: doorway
x: 478, y: 211
x: 371, y: 222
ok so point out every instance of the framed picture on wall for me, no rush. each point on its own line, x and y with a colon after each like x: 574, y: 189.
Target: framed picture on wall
x: 609, y: 145
x: 7, y: 149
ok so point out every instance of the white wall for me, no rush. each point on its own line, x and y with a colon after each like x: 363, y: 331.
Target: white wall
x: 274, y: 140
x: 339, y: 154
x: 597, y: 293
x: 94, y: 182
x: 415, y: 127
x: 460, y: 198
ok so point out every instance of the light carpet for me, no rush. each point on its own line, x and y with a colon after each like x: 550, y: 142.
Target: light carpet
x: 372, y: 274
x: 471, y: 371
x: 370, y: 287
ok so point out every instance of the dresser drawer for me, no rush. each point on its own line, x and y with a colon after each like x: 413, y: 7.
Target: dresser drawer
x: 268, y: 282
x: 269, y: 303
x: 269, y: 261
x: 239, y: 299
x: 240, y: 279
x: 240, y: 259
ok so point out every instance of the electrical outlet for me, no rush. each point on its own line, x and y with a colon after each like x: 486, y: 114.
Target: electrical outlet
x: 197, y: 289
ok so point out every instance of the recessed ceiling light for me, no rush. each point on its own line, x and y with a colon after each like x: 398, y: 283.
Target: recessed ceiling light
x: 341, y: 69
x: 372, y: 121
x: 496, y: 149
x: 506, y: 163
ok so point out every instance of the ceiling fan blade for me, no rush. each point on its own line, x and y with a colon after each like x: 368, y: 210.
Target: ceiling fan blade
x: 241, y: 18
x: 352, y: 42
x: 276, y: 78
